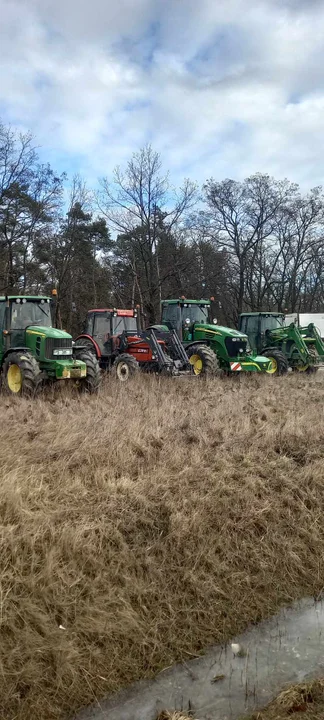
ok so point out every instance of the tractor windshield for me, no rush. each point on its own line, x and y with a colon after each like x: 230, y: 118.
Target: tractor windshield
x: 271, y: 322
x: 120, y: 324
x: 195, y: 313
x: 30, y: 312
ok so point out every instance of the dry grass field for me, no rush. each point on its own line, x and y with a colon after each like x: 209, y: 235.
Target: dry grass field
x: 140, y: 526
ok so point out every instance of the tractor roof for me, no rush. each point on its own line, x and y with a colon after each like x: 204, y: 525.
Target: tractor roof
x: 120, y: 312
x: 266, y: 313
x: 186, y: 301
x: 26, y: 297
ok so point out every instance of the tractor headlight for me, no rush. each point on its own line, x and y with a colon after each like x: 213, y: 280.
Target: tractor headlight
x: 62, y: 351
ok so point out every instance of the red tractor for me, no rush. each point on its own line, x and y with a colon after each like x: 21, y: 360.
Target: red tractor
x: 116, y: 339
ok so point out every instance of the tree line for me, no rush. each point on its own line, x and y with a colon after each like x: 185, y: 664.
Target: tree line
x: 251, y: 245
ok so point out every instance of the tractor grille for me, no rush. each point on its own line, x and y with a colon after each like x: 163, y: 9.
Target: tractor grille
x: 52, y: 343
x: 234, y: 345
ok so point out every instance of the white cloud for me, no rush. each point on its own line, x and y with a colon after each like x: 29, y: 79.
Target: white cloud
x: 223, y: 89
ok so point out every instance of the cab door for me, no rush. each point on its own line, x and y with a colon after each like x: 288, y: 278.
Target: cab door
x: 250, y: 326
x: 171, y: 317
x: 102, y: 332
x: 2, y: 328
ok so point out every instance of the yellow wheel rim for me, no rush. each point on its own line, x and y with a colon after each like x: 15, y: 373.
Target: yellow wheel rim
x: 197, y: 364
x: 14, y: 379
x: 274, y: 366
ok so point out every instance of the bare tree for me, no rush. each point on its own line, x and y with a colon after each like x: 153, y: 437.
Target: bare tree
x: 299, y: 245
x: 244, y: 217
x: 134, y: 204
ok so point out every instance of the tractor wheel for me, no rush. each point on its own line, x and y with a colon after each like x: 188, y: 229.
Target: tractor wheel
x: 312, y: 368
x: 203, y: 360
x: 86, y: 344
x: 125, y: 367
x: 279, y: 362
x: 91, y: 383
x: 21, y: 374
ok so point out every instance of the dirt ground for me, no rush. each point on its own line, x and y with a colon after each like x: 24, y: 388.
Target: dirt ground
x: 141, y: 526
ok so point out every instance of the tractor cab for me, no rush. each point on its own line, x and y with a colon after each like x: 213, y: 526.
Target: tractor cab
x: 104, y: 326
x: 182, y: 315
x: 21, y: 313
x: 257, y: 327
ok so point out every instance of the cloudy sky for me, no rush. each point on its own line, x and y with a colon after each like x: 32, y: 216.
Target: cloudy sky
x: 221, y: 88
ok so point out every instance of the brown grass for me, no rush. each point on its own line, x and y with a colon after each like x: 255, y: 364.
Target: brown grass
x: 148, y: 523
x: 173, y: 716
x: 306, y: 700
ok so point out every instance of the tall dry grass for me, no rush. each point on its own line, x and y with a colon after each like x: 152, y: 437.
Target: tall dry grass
x: 306, y: 699
x: 138, y: 527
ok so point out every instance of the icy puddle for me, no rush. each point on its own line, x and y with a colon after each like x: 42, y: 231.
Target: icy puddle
x: 221, y: 686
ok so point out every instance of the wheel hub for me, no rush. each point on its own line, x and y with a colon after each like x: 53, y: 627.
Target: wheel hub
x: 14, y: 379
x: 274, y: 366
x: 197, y: 364
x: 123, y: 371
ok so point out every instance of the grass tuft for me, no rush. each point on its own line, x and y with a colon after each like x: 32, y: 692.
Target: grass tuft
x: 307, y: 700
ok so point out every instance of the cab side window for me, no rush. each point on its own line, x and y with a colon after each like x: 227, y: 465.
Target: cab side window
x: 170, y: 315
x: 89, y: 324
x: 2, y: 314
x: 251, y: 329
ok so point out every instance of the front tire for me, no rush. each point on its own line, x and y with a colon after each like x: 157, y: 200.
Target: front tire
x: 203, y: 360
x: 21, y: 374
x: 91, y: 383
x: 312, y: 368
x: 125, y: 367
x: 279, y: 362
x: 87, y: 345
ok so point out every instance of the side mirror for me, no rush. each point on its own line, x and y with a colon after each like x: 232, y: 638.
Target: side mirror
x: 215, y: 321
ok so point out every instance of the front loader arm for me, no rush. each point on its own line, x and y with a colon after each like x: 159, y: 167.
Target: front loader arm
x: 290, y: 338
x: 312, y: 337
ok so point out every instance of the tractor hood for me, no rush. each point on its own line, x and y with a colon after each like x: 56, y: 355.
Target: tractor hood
x: 220, y: 330
x: 49, y: 332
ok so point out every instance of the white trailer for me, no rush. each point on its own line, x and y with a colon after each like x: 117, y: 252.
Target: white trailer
x: 304, y: 319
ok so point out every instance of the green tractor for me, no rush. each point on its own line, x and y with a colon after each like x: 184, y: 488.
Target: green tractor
x: 300, y: 349
x: 210, y: 347
x: 32, y: 351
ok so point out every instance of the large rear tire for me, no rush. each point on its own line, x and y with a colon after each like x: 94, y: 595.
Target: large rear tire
x: 21, y: 374
x: 279, y: 362
x: 91, y: 383
x: 203, y: 360
x: 125, y: 367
